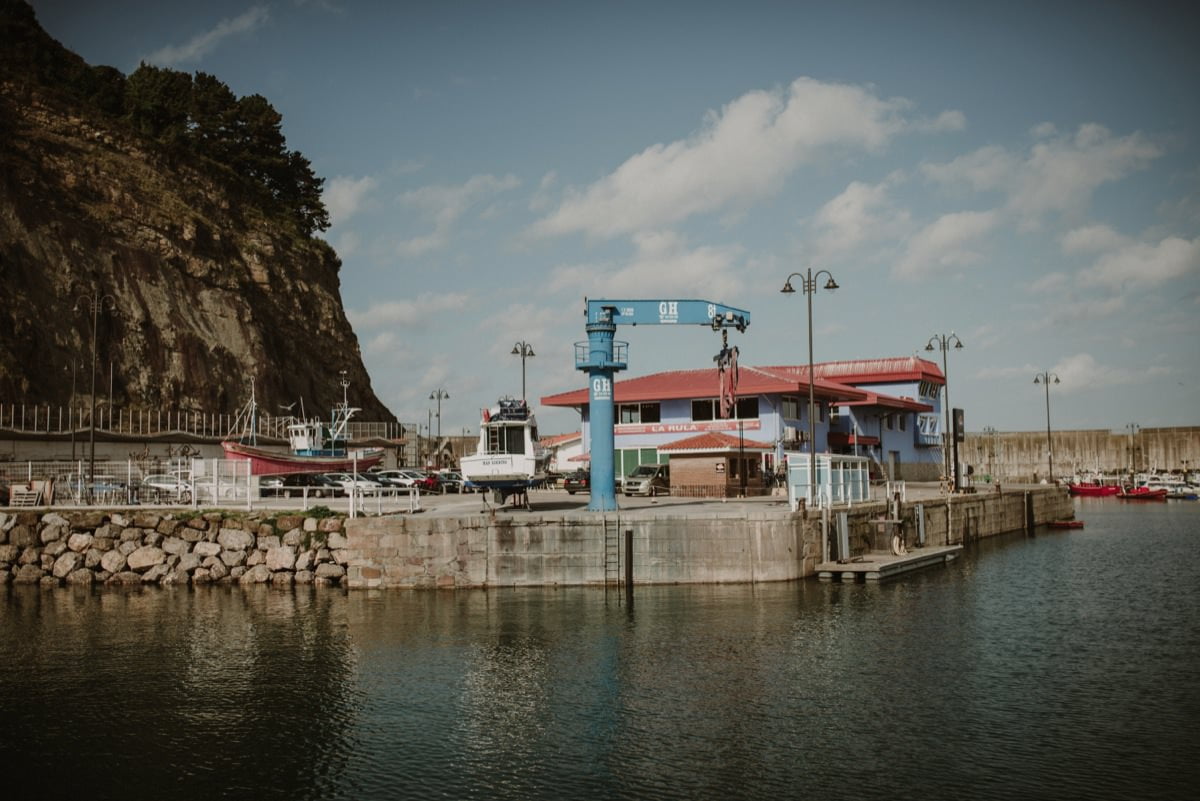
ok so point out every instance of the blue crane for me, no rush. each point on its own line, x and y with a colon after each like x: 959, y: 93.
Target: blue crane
x: 602, y: 357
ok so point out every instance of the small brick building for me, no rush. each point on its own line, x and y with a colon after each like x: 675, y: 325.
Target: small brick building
x: 716, y: 465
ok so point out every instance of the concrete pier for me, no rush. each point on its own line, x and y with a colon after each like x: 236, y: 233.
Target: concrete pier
x: 676, y: 540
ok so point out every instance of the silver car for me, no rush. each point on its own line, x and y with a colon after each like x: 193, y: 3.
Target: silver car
x: 648, y: 479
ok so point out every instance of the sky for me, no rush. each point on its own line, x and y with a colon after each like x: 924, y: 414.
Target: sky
x: 1024, y: 176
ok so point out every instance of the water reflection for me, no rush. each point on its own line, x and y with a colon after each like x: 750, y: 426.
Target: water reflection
x: 1061, y: 665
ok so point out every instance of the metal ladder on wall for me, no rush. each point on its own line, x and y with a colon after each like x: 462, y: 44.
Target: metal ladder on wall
x: 612, y: 551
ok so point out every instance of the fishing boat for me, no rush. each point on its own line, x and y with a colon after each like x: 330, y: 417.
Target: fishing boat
x: 508, y: 459
x: 314, y: 446
x: 1142, y: 494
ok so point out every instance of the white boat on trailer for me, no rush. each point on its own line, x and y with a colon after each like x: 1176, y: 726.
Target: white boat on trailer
x: 509, y: 459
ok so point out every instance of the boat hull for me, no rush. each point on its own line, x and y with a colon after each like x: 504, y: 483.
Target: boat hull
x: 1142, y: 494
x: 502, y: 472
x: 270, y: 463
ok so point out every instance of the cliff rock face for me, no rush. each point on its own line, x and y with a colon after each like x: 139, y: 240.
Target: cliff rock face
x: 201, y: 287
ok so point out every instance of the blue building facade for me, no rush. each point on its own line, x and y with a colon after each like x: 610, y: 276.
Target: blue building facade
x: 885, y: 409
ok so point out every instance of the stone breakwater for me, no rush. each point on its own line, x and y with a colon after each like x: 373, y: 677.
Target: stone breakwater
x: 90, y: 547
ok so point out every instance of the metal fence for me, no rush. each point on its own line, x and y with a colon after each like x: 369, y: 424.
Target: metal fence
x: 181, y: 482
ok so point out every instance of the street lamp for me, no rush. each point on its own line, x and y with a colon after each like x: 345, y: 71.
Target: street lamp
x: 439, y: 395
x: 1133, y: 429
x: 1044, y: 378
x: 944, y: 341
x: 808, y: 283
x: 95, y: 304
x: 525, y: 351
x: 991, y: 432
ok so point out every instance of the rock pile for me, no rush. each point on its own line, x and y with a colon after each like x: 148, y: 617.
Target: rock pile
x: 90, y: 547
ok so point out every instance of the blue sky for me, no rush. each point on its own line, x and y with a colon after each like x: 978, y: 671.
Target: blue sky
x: 1025, y: 175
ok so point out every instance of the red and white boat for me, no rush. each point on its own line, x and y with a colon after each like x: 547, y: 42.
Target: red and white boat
x: 1142, y: 494
x: 313, y: 446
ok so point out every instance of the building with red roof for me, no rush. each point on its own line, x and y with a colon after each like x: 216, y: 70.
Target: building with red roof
x: 887, y: 409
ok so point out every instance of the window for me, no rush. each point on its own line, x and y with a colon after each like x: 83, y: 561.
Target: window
x: 903, y: 422
x: 709, y: 409
x: 506, y: 439
x: 639, y: 413
x: 791, y: 407
x: 746, y: 408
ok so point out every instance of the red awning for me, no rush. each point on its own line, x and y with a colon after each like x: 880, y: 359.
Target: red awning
x: 842, y: 438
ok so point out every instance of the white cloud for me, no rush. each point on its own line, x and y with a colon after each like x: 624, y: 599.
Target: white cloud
x: 408, y: 313
x: 1058, y: 175
x: 860, y: 214
x: 201, y: 45
x: 444, y: 205
x: 344, y: 195
x: 663, y: 264
x: 1050, y: 282
x: 1146, y: 265
x: 1078, y: 373
x: 1092, y: 238
x: 742, y: 154
x: 945, y: 244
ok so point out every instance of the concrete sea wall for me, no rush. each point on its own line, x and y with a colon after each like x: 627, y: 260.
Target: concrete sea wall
x: 707, y: 544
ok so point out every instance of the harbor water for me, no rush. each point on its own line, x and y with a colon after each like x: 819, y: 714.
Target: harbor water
x: 1064, y: 665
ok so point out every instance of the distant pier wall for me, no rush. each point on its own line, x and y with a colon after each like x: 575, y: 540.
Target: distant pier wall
x: 704, y: 546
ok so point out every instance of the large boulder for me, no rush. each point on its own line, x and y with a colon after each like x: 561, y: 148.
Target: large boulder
x: 65, y: 564
x: 82, y: 577
x: 146, y: 557
x: 233, y: 539
x: 28, y: 574
x: 330, y: 571
x: 259, y: 574
x: 80, y: 541
x: 282, y: 557
x: 175, y: 545
x: 203, y: 549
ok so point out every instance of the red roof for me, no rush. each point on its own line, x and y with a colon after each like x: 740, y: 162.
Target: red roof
x: 713, y: 441
x: 873, y: 371
x: 559, y: 439
x: 706, y: 384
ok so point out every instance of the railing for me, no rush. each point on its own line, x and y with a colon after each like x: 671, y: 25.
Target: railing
x: 184, y: 483
x: 46, y: 419
x: 839, y: 480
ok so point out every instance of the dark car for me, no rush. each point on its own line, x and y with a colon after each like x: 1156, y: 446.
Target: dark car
x: 294, y: 485
x: 579, y: 481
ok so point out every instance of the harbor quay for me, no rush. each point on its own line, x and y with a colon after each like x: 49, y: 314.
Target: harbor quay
x: 682, y: 540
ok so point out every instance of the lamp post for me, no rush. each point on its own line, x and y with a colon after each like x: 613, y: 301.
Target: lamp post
x: 525, y: 351
x: 1044, y: 378
x: 439, y: 395
x: 944, y: 341
x: 94, y: 304
x: 991, y: 434
x: 808, y: 283
x: 1132, y: 428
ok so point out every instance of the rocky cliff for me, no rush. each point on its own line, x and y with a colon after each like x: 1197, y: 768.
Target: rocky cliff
x: 202, y: 286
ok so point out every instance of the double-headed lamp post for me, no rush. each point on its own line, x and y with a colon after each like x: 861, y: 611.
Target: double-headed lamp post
x: 944, y: 343
x: 525, y: 351
x: 93, y: 304
x: 808, y: 283
x: 439, y: 395
x: 1044, y: 378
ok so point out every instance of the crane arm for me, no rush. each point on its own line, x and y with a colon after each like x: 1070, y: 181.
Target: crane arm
x: 667, y: 312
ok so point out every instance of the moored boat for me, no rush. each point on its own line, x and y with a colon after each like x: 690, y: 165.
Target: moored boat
x: 509, y: 459
x: 1065, y: 524
x: 1142, y: 494
x: 313, y: 446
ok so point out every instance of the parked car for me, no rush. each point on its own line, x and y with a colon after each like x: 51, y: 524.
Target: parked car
x: 648, y: 479
x: 452, y: 481
x: 347, y: 481
x: 579, y: 481
x: 400, y: 477
x: 294, y: 486
x: 430, y: 482
x: 164, y: 488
